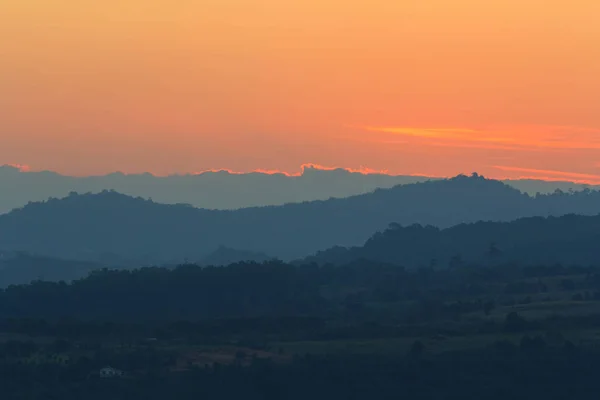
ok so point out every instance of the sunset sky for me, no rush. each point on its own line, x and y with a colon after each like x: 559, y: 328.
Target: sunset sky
x: 508, y: 88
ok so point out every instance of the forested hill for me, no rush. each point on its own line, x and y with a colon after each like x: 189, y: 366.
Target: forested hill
x: 570, y: 239
x: 114, y: 228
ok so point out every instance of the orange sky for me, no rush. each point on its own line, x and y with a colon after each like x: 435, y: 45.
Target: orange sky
x: 507, y: 88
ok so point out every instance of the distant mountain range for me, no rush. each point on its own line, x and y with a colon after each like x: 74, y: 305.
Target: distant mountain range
x: 219, y: 190
x: 116, y: 229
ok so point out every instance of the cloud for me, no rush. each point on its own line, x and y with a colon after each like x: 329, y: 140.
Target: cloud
x: 436, y: 133
x: 360, y: 170
x: 20, y: 167
x: 485, y: 146
x: 303, y: 169
x: 523, y: 138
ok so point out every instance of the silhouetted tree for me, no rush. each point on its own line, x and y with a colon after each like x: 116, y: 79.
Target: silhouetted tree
x: 488, y: 307
x: 514, y: 322
x: 417, y: 349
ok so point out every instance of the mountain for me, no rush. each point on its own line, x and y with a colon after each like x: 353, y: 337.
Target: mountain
x: 221, y: 190
x: 113, y: 228
x: 570, y: 239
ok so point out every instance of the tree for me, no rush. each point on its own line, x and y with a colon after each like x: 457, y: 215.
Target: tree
x: 416, y: 350
x: 494, y: 251
x: 61, y: 345
x: 456, y: 261
x: 577, y: 297
x: 567, y: 284
x: 488, y: 307
x: 514, y: 322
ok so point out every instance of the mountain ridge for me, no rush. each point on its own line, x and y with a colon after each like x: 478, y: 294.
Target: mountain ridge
x: 114, y: 228
x: 219, y: 189
x: 222, y: 189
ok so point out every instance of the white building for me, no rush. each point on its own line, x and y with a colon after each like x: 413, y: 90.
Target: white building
x: 109, y: 372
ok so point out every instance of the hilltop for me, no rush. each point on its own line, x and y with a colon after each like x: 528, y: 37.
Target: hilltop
x: 116, y: 228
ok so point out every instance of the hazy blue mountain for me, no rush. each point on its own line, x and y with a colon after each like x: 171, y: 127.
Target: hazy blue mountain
x: 570, y: 239
x: 218, y: 190
x: 118, y: 229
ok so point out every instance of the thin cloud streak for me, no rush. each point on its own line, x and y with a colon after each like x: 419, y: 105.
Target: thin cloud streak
x: 572, y: 176
x: 483, y: 146
x: 425, y: 132
x: 518, y: 137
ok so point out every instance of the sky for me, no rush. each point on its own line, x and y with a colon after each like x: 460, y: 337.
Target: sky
x: 507, y: 88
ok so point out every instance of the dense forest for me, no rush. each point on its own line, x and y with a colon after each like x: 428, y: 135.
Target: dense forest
x: 274, y: 330
x: 115, y: 229
x: 536, y: 240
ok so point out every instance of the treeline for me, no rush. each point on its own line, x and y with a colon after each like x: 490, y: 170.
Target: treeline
x: 251, y: 290
x: 186, y: 292
x: 569, y: 239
